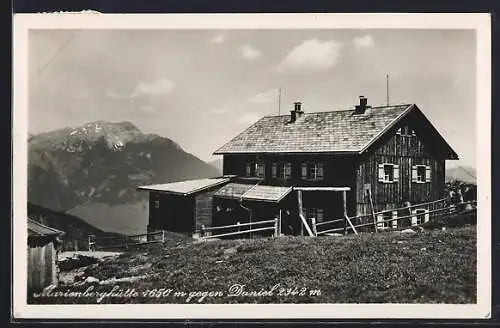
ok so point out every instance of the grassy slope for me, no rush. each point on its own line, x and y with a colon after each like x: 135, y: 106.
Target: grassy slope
x: 427, y: 267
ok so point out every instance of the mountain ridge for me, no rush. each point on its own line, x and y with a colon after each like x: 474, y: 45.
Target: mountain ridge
x: 92, y: 171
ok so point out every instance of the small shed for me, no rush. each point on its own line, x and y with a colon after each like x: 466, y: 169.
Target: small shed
x: 182, y: 206
x: 43, y: 246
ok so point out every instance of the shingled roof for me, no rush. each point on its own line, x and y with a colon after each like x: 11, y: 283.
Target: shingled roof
x: 253, y: 192
x: 333, y: 131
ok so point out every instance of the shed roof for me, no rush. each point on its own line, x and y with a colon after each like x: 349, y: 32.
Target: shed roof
x: 320, y: 132
x: 253, y: 192
x: 37, y: 229
x: 186, y: 187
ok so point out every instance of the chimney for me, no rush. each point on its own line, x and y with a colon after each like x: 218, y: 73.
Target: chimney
x: 361, y: 108
x: 297, y: 111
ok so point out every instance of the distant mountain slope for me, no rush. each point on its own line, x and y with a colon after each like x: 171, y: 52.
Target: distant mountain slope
x: 93, y: 170
x: 462, y: 173
x: 76, y: 230
x: 218, y: 164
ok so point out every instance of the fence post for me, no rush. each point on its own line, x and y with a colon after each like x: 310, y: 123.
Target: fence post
x: 163, y: 236
x: 89, y: 242
x: 276, y: 222
x: 394, y: 217
x: 238, y: 223
x: 202, y: 232
x: 315, y: 230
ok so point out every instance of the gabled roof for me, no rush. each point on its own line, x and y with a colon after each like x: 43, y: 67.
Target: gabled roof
x: 187, y: 187
x: 253, y: 192
x: 37, y: 229
x: 320, y: 132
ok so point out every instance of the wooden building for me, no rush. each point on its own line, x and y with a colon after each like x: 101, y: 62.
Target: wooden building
x: 43, y: 246
x: 182, y: 206
x: 338, y: 162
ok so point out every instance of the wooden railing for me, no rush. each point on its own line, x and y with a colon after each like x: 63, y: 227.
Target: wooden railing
x: 125, y: 241
x: 431, y: 210
x: 241, y: 229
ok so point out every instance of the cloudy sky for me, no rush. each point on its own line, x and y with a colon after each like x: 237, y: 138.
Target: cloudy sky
x: 202, y: 87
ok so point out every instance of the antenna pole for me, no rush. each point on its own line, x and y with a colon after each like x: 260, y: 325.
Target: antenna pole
x: 279, y: 102
x: 387, y: 82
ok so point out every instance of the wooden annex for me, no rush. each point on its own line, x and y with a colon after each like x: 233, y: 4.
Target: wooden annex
x: 43, y: 246
x: 321, y: 165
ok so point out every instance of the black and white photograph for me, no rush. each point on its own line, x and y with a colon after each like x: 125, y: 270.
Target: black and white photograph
x: 253, y: 166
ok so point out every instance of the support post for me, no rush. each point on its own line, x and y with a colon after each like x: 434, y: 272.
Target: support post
x: 314, y: 229
x: 348, y: 221
x: 344, y: 204
x: 276, y: 227
x: 301, y: 216
x: 372, y: 209
x: 301, y: 211
x: 279, y: 223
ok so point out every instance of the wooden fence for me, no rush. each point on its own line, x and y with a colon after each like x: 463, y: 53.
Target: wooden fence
x: 125, y: 241
x: 241, y: 229
x: 393, y: 219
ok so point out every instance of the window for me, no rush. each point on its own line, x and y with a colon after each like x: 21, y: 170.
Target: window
x: 314, y: 212
x: 155, y: 201
x: 388, y: 173
x: 253, y: 169
x: 312, y: 171
x: 406, y: 131
x: 248, y: 171
x: 260, y: 170
x: 282, y: 170
x: 421, y: 173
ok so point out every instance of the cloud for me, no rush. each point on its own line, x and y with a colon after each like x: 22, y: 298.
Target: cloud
x: 159, y: 87
x: 249, y: 52
x: 311, y: 56
x: 218, y: 111
x: 365, y: 41
x: 265, y: 97
x: 149, y: 110
x: 219, y: 38
x: 248, y: 118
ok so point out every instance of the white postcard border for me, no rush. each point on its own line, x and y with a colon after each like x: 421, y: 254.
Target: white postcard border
x: 24, y: 22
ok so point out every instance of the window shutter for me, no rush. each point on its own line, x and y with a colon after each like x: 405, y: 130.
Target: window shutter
x: 274, y: 170
x: 396, y: 173
x: 414, y: 173
x: 304, y: 170
x: 320, y: 171
x: 381, y: 172
x: 414, y: 218
x: 288, y: 170
x: 380, y: 221
x: 427, y: 173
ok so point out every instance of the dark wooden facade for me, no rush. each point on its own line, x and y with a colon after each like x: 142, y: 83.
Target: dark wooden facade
x: 401, y: 160
x: 406, y: 149
x: 179, y: 213
x: 338, y: 171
